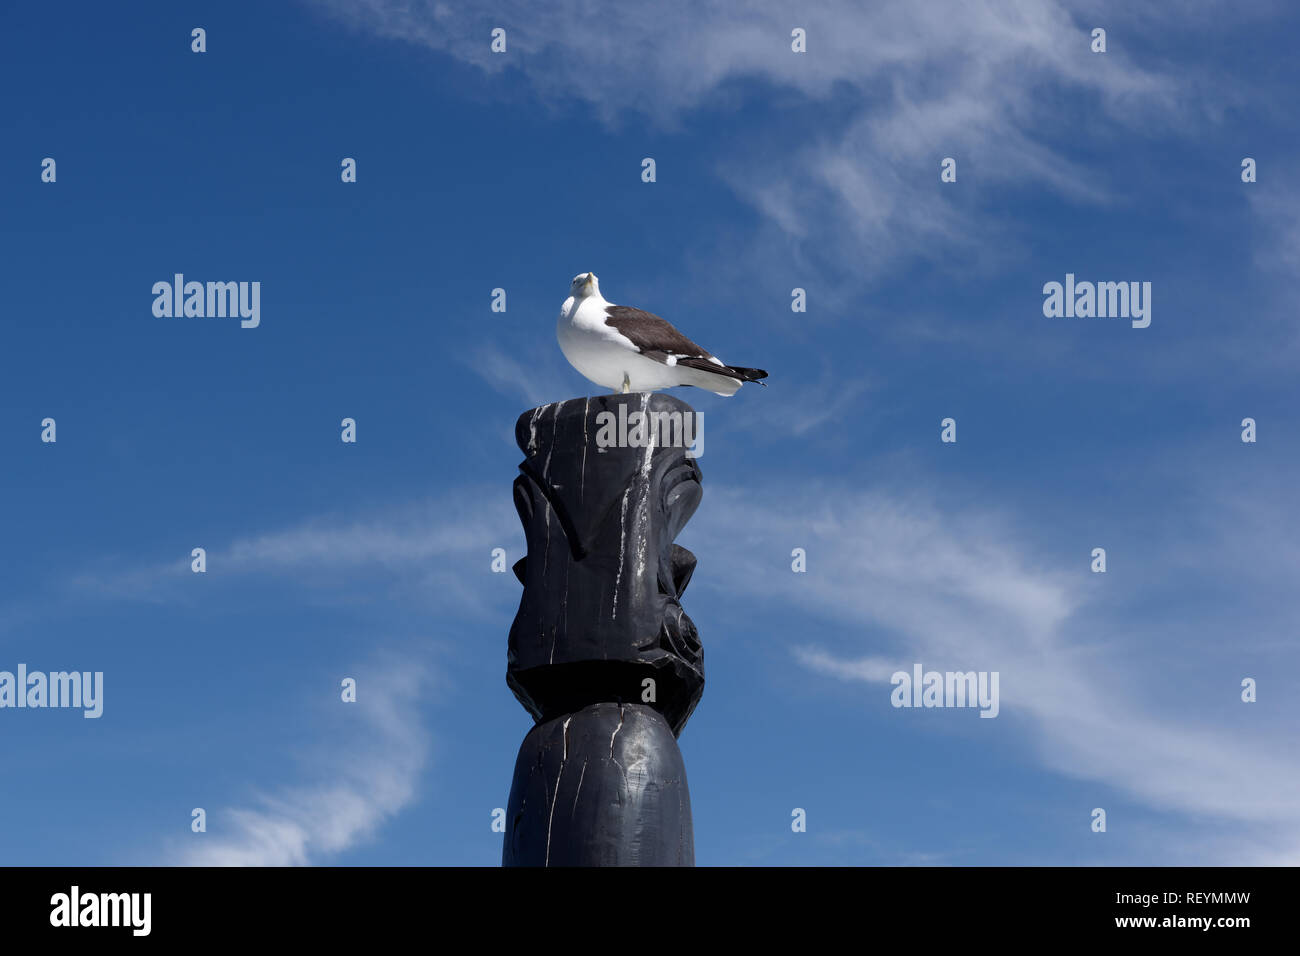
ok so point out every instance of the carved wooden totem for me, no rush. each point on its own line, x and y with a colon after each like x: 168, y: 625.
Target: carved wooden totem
x: 601, y: 653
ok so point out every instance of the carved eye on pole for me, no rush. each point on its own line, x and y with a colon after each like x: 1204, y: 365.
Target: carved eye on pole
x: 680, y: 493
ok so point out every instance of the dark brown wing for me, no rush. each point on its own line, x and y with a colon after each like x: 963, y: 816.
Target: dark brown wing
x: 649, y: 333
x: 657, y: 339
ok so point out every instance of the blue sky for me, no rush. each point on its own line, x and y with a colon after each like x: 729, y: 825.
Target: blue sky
x: 775, y: 170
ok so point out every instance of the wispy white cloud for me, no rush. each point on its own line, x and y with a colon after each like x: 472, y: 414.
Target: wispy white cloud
x: 899, y: 86
x: 537, y: 383
x: 806, y: 407
x: 964, y: 589
x: 369, y: 777
x: 415, y: 532
x: 872, y: 670
x: 117, y: 580
x: 439, y: 547
x: 1277, y: 207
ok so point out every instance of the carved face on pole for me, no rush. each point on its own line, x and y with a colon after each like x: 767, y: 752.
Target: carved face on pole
x: 603, y: 577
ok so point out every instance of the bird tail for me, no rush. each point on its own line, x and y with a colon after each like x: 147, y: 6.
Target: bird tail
x: 747, y: 374
x: 720, y: 379
x: 731, y: 371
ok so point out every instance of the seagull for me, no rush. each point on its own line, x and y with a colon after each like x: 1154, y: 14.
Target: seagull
x: 629, y: 350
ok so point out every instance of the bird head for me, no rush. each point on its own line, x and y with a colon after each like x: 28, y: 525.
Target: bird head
x: 584, y: 284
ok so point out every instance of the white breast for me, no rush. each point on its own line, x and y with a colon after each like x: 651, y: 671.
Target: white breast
x: 601, y: 352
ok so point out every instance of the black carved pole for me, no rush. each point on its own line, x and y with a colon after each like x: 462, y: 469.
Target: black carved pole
x: 601, y: 653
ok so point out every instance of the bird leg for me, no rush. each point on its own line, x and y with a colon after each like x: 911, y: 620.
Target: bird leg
x: 627, y: 384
